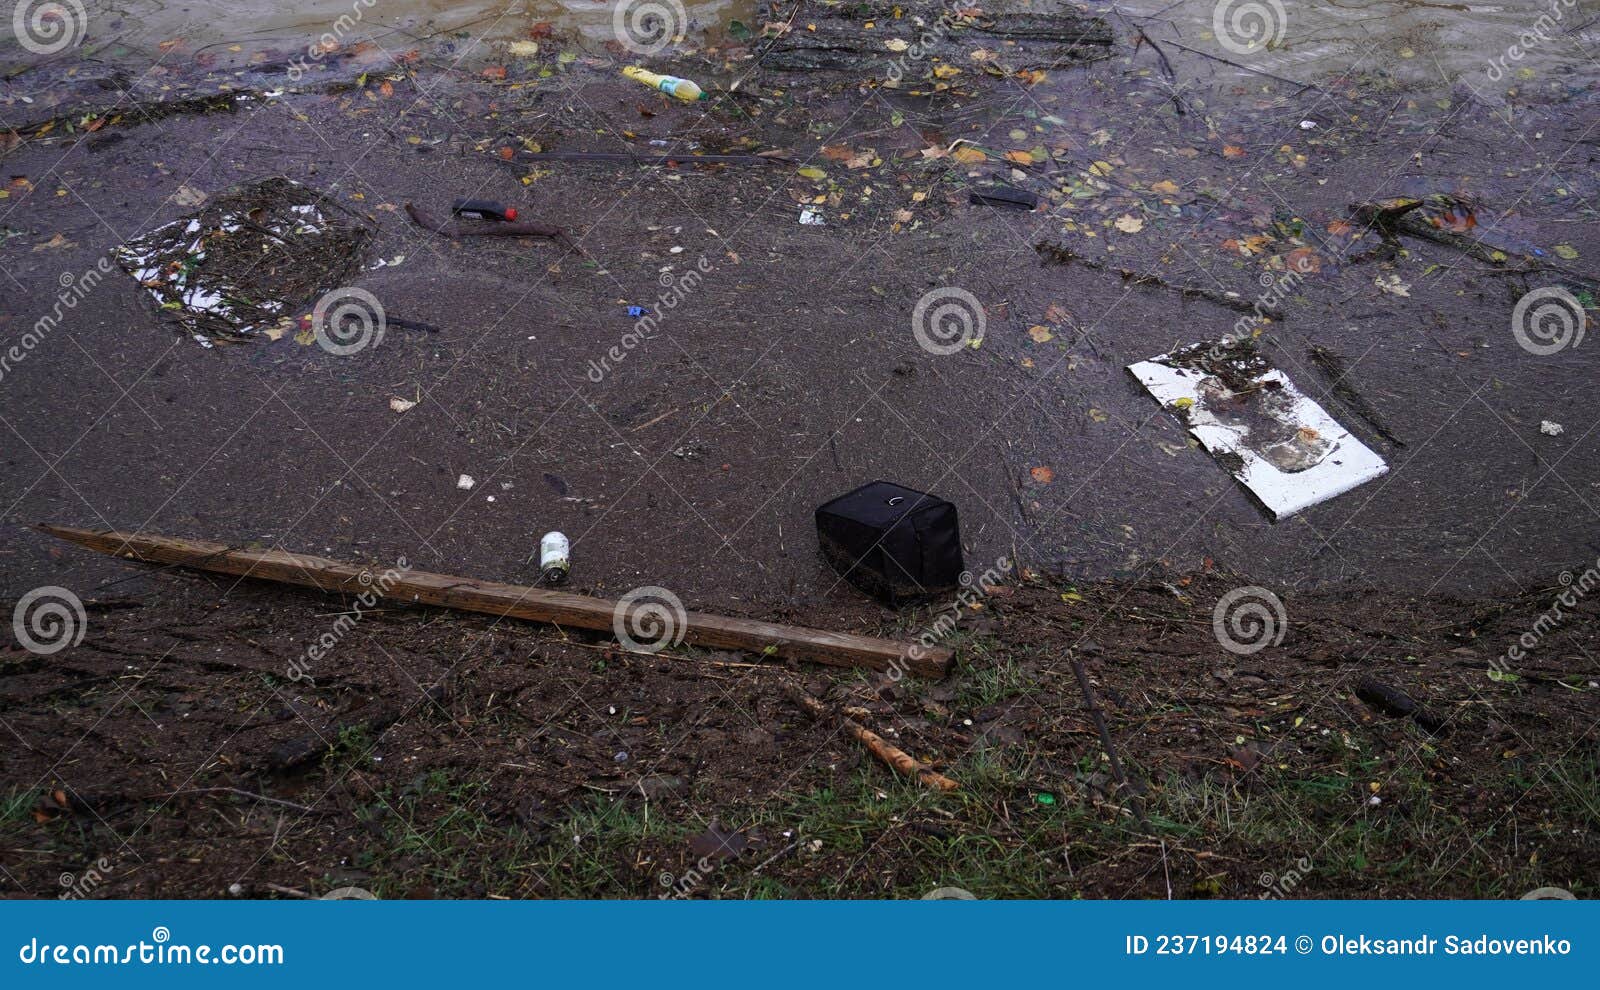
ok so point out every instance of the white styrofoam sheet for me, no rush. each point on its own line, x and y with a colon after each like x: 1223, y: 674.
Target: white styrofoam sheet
x: 1345, y: 464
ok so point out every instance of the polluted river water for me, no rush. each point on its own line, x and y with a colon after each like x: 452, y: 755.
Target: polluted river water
x: 1426, y: 41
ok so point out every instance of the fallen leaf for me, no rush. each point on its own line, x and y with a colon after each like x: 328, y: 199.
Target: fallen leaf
x: 1303, y: 260
x: 1129, y: 224
x: 1165, y: 187
x: 1392, y: 285
x: 523, y: 49
x: 1566, y: 251
x: 495, y: 72
x: 1020, y: 157
x: 945, y: 71
x: 812, y: 172
x: 1040, y: 335
x: 188, y: 196
x: 897, y: 44
x: 1232, y: 151
x: 400, y: 405
x: 968, y: 155
x: 837, y: 152
x: 1042, y: 475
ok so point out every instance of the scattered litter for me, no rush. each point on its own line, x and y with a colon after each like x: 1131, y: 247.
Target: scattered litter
x: 1550, y: 429
x: 484, y: 209
x: 638, y: 311
x: 684, y: 89
x: 400, y: 405
x: 465, y: 482
x: 810, y: 217
x: 1019, y: 199
x: 252, y: 256
x: 1280, y: 444
x: 555, y: 557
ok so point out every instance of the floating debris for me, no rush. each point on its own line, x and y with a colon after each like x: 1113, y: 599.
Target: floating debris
x: 240, y: 264
x: 1280, y: 444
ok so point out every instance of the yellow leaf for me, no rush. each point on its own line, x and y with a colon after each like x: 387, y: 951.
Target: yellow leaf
x: 897, y: 44
x: 968, y: 155
x: 812, y: 172
x: 1020, y: 157
x: 945, y: 71
x: 1040, y: 334
x: 1100, y: 168
x: 1129, y: 224
x: 1165, y: 187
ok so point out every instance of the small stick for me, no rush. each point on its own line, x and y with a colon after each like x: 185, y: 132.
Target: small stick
x: 1246, y: 68
x: 884, y: 750
x: 496, y: 230
x: 1099, y: 716
x: 243, y: 793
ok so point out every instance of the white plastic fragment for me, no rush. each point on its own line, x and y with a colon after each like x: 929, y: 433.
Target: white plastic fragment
x: 465, y: 482
x: 1550, y: 429
x: 1308, y: 457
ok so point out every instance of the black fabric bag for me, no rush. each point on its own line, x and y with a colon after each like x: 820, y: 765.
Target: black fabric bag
x: 892, y: 542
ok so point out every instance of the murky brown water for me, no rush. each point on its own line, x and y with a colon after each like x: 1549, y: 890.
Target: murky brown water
x: 1419, y: 41
x: 256, y: 24
x: 1414, y: 40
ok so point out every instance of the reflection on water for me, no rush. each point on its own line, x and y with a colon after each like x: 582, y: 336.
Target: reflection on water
x: 255, y: 25
x: 1418, y: 41
x: 1415, y: 40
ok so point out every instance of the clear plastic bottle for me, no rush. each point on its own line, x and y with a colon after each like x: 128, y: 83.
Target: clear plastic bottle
x: 555, y: 557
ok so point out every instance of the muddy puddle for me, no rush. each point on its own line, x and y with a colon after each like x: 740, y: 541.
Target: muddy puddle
x: 231, y: 29
x: 1419, y: 41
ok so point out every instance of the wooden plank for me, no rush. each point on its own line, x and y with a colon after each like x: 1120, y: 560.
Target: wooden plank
x: 515, y: 601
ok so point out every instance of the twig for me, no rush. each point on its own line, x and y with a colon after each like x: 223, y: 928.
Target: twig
x: 1245, y: 68
x: 881, y: 748
x: 306, y: 809
x: 1099, y: 716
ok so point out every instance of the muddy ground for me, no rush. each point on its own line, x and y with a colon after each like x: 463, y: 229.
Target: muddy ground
x: 458, y: 757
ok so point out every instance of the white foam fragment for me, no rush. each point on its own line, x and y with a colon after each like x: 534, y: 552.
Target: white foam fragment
x: 1327, y: 460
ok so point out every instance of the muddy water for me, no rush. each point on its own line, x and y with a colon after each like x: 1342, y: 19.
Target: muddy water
x: 254, y: 25
x: 1417, y: 41
x: 1422, y: 42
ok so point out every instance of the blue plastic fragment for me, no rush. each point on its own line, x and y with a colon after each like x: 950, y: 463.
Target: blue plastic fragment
x: 635, y: 310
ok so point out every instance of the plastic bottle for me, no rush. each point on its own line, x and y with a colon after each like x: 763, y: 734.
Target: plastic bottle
x: 483, y: 209
x: 555, y: 557
x: 684, y: 89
